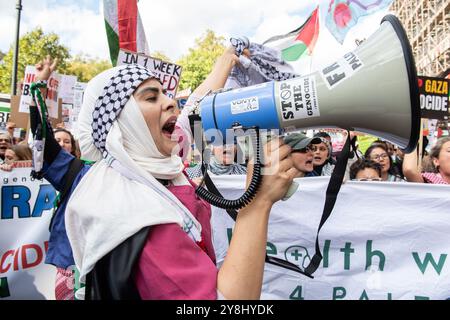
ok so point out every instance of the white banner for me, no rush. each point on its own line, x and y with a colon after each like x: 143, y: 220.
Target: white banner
x: 382, y: 241
x: 26, y: 209
x: 168, y: 73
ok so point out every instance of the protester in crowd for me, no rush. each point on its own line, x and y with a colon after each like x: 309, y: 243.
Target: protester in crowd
x: 365, y: 170
x: 302, y: 153
x: 222, y: 162
x: 66, y: 140
x: 397, y: 161
x: 378, y: 152
x: 323, y: 161
x: 326, y: 136
x: 18, y: 152
x: 134, y: 208
x: 5, y: 143
x: 440, y: 159
x: 10, y: 156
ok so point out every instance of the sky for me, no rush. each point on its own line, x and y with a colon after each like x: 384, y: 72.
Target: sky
x: 171, y: 26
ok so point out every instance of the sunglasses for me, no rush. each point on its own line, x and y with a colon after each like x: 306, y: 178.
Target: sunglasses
x: 304, y: 150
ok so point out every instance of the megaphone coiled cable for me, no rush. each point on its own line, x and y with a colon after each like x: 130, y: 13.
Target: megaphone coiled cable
x: 249, y: 194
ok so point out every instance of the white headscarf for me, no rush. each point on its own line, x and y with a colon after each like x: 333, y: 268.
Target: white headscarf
x: 119, y: 195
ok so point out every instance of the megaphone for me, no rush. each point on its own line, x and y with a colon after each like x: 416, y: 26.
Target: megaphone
x: 372, y: 89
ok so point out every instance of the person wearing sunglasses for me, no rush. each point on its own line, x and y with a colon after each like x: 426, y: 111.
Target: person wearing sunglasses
x: 302, y: 153
x: 365, y: 170
x: 378, y: 152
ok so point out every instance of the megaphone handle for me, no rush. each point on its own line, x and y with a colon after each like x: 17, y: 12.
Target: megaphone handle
x: 292, y: 189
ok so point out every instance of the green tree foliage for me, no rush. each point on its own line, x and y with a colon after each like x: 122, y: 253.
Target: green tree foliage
x: 160, y: 55
x: 198, y: 63
x: 85, y: 68
x: 33, y: 47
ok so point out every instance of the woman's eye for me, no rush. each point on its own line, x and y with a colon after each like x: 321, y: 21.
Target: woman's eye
x: 151, y: 99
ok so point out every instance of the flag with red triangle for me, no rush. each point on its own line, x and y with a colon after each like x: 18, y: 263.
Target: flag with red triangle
x: 299, y: 42
x: 124, y: 28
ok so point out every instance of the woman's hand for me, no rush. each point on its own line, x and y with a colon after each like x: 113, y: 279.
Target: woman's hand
x: 45, y: 68
x: 229, y: 56
x: 197, y: 181
x: 6, y: 167
x: 278, y: 172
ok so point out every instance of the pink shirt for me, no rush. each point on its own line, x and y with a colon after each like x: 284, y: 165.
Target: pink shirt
x: 434, y: 178
x: 172, y: 266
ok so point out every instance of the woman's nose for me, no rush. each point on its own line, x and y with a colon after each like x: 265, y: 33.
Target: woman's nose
x: 169, y: 104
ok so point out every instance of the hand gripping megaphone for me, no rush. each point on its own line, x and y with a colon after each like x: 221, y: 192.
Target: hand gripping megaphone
x: 372, y: 89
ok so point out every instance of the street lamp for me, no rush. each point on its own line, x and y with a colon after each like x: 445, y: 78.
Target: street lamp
x: 16, y: 50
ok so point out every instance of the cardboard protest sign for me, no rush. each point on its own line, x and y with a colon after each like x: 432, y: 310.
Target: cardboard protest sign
x: 52, y: 95
x: 434, y: 96
x: 66, y: 88
x: 25, y: 98
x: 78, y: 93
x: 21, y: 119
x: 4, y: 114
x: 168, y: 73
x: 52, y: 92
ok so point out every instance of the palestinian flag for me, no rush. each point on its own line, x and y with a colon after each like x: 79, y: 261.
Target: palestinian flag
x: 123, y: 27
x: 299, y: 42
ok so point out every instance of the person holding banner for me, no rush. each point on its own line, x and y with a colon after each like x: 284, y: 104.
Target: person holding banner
x: 135, y: 226
x: 379, y: 153
x: 18, y: 152
x: 5, y: 143
x: 365, y: 170
x: 440, y: 160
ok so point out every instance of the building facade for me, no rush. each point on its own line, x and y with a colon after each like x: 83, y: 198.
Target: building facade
x: 427, y: 24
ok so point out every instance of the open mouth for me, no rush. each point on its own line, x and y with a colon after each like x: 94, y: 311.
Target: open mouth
x: 308, y: 162
x: 169, y: 126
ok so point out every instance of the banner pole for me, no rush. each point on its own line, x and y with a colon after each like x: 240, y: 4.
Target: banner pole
x: 419, y: 157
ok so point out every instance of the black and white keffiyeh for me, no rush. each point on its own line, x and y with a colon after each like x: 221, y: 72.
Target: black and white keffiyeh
x: 114, y: 97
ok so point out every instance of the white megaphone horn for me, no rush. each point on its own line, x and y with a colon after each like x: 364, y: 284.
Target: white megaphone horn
x: 372, y: 89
